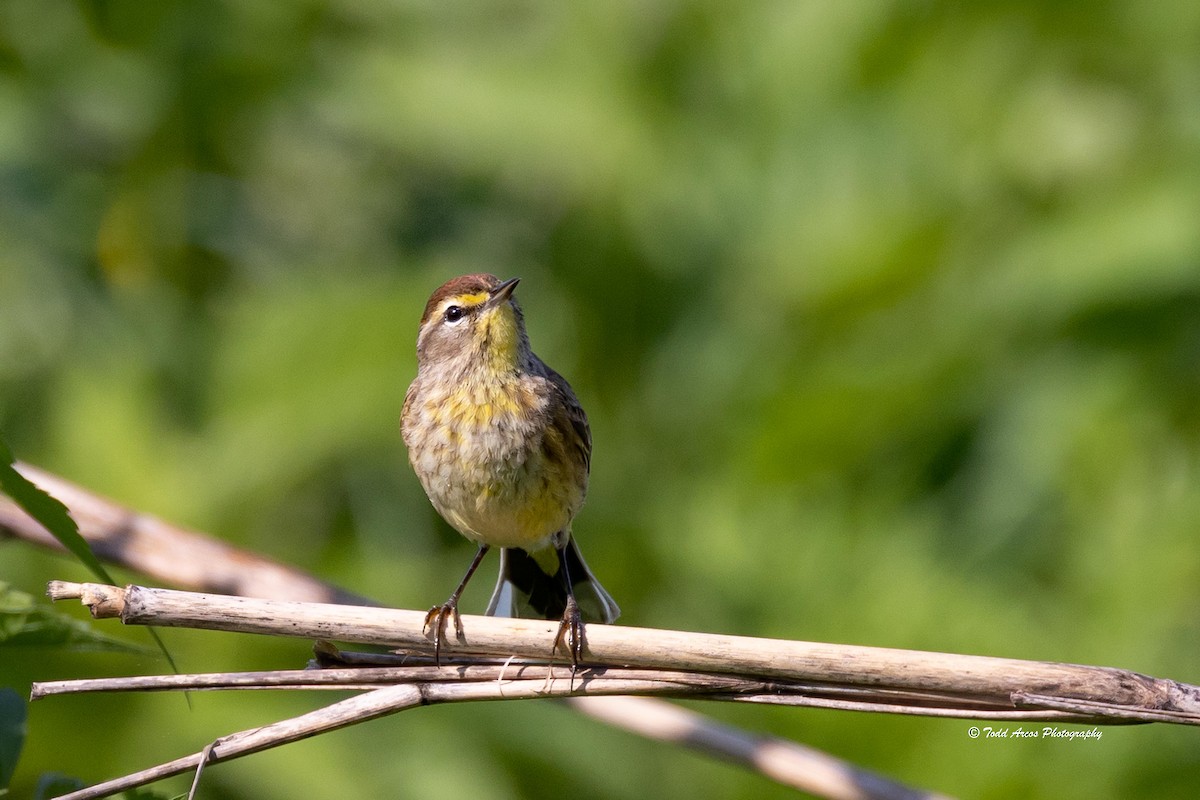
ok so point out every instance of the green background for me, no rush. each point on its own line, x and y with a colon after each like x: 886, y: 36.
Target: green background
x: 886, y: 317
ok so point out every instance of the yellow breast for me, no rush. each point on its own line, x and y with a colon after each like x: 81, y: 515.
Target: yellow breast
x: 480, y: 452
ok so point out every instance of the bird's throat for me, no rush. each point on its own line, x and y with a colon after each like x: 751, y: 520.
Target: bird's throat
x: 501, y: 340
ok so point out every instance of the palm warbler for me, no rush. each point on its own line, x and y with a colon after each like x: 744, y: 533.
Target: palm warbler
x: 502, y: 449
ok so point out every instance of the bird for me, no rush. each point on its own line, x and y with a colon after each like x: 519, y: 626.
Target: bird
x: 502, y: 448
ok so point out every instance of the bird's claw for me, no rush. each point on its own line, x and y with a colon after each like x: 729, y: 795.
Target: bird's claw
x: 570, y: 634
x: 436, y: 620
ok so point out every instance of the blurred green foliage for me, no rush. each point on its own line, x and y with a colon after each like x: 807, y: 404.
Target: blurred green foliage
x: 886, y: 315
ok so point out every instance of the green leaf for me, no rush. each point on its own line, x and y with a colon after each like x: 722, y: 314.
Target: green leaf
x: 12, y: 733
x: 53, y: 784
x: 26, y: 623
x: 49, y: 512
x: 54, y: 517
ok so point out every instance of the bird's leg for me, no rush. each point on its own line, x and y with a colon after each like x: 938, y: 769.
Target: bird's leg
x: 439, y: 616
x: 570, y: 629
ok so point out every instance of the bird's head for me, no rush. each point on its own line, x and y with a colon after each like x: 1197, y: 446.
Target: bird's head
x: 473, y: 322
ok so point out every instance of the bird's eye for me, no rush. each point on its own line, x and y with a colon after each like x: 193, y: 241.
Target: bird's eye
x: 455, y: 313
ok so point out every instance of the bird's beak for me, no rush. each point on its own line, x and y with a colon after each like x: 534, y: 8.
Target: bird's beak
x: 502, y: 292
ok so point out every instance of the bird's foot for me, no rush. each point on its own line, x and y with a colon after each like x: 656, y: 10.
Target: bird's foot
x: 436, y: 621
x: 570, y: 635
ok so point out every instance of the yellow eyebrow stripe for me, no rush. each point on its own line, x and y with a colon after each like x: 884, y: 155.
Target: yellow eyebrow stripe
x: 467, y: 301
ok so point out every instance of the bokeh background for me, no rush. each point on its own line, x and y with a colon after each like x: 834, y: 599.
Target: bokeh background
x: 886, y: 316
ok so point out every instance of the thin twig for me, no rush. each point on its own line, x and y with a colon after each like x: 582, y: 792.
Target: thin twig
x: 374, y: 677
x: 594, y: 680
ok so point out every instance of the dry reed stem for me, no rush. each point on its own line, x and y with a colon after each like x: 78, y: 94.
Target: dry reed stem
x: 905, y: 681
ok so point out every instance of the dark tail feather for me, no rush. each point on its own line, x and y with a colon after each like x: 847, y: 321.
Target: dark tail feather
x: 524, y: 589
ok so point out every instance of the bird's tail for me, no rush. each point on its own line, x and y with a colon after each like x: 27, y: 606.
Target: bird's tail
x: 526, y: 587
